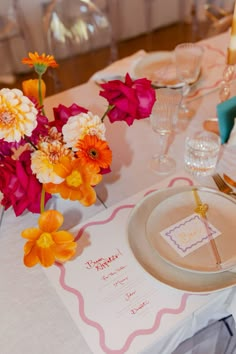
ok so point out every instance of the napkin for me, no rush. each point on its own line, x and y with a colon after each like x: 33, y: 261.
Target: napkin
x: 120, y: 67
x: 226, y: 112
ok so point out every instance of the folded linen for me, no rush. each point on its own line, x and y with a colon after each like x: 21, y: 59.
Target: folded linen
x: 226, y: 112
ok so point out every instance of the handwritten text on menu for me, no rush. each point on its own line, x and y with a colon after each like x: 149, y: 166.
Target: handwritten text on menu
x: 118, y: 301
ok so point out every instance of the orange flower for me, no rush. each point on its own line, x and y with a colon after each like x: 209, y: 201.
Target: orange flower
x: 78, y: 181
x: 94, y: 152
x: 40, y: 62
x: 31, y: 88
x: 46, y: 244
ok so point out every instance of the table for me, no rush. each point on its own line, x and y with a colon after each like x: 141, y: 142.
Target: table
x: 35, y: 314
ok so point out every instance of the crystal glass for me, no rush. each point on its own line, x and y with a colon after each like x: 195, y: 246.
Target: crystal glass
x: 228, y: 75
x: 162, y: 121
x: 201, y: 153
x: 188, y: 58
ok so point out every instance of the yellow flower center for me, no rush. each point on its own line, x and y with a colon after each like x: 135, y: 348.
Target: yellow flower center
x: 45, y: 240
x: 6, y: 117
x: 74, y: 179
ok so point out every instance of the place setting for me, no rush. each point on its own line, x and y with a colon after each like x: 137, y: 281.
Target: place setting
x: 173, y: 69
x: 184, y: 236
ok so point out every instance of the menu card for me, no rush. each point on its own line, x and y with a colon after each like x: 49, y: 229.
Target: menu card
x: 117, y: 306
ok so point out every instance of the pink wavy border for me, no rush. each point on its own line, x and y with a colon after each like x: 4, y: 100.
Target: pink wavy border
x: 79, y: 296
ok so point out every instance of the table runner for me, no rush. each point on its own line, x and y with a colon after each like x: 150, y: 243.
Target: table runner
x: 117, y: 308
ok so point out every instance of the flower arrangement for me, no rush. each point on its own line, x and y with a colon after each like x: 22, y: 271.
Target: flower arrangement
x: 67, y: 156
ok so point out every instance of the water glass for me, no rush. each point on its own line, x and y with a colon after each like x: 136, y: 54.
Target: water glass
x: 162, y: 121
x: 201, y: 153
x: 188, y: 59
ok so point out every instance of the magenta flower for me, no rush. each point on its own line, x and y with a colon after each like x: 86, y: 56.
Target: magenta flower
x: 129, y: 100
x: 63, y: 113
x: 41, y: 129
x: 19, y: 186
x: 6, y: 149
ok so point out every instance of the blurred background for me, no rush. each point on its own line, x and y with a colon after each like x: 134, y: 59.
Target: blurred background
x: 86, y: 36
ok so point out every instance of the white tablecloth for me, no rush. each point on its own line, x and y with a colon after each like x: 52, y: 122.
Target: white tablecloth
x: 34, y: 319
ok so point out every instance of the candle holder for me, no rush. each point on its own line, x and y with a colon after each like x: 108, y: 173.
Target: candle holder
x: 225, y: 85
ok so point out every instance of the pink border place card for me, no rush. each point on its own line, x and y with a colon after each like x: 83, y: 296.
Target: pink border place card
x: 116, y: 305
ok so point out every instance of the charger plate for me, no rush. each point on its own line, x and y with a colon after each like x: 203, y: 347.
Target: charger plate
x: 154, y: 265
x: 179, y: 245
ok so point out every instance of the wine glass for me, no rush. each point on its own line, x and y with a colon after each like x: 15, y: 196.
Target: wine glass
x: 188, y: 58
x: 162, y: 121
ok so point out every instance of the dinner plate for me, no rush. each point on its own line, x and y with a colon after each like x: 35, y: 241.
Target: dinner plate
x: 185, y: 241
x: 154, y: 266
x: 159, y: 67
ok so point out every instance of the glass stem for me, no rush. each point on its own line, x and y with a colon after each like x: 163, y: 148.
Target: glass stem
x: 163, y: 146
x: 185, y: 91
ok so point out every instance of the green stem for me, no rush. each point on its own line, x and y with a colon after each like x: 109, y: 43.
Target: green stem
x: 40, y: 93
x: 109, y: 108
x: 42, y: 200
x: 30, y: 142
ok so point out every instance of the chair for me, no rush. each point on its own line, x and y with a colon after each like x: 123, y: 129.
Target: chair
x: 111, y: 8
x: 219, y: 19
x: 15, y: 39
x: 72, y: 27
x: 217, y: 338
x: 211, y: 19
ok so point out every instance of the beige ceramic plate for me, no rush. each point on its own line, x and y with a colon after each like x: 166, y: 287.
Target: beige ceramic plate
x: 180, y: 246
x: 159, y: 67
x: 154, y: 265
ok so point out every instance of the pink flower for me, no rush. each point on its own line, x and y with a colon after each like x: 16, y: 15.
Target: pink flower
x: 6, y: 149
x: 63, y: 113
x: 41, y: 129
x: 131, y: 100
x: 19, y: 186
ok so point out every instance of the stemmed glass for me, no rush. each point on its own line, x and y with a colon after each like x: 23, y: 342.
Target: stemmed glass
x: 188, y: 59
x: 162, y: 121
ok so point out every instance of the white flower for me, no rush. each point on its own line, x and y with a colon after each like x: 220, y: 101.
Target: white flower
x: 18, y: 115
x: 43, y: 160
x: 80, y: 125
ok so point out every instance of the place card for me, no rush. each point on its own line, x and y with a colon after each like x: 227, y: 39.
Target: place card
x: 188, y: 234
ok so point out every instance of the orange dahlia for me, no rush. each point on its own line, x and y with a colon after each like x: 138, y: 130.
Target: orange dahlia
x: 46, y: 244
x: 94, y: 152
x: 78, y: 181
